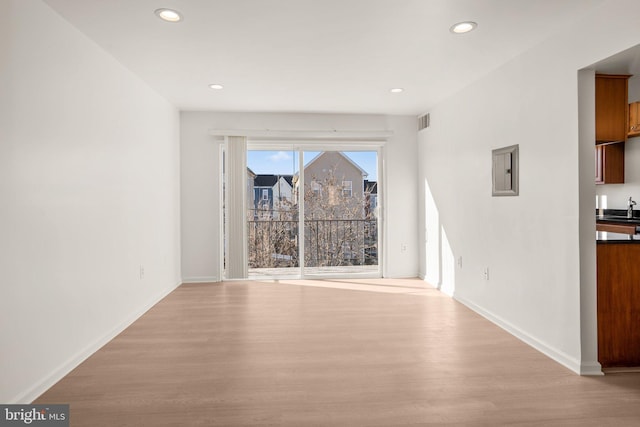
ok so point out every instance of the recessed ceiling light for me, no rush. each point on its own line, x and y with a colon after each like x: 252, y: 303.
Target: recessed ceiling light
x: 216, y: 86
x: 396, y: 90
x: 169, y: 15
x: 463, y: 27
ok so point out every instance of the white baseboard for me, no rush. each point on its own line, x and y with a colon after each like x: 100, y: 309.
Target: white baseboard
x: 423, y: 277
x: 200, y: 279
x: 36, y: 390
x: 401, y: 275
x: 591, y: 368
x: 562, y: 358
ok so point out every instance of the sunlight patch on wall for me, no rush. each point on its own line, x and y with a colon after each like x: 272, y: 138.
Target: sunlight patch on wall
x: 448, y: 285
x: 431, y: 237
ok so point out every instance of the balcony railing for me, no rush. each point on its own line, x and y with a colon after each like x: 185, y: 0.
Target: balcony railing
x: 328, y: 243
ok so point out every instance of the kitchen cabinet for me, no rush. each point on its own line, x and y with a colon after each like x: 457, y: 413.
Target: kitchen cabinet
x: 634, y: 119
x: 612, y: 117
x: 618, y: 305
x: 610, y: 163
x: 629, y: 229
x: 611, y: 107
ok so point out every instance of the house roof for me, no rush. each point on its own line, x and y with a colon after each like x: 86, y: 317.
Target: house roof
x: 271, y: 180
x: 288, y: 178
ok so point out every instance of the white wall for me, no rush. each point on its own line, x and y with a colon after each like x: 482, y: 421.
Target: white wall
x: 201, y: 179
x: 618, y: 194
x: 89, y: 190
x: 530, y: 243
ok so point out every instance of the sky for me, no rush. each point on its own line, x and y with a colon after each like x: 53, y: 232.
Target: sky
x: 286, y: 162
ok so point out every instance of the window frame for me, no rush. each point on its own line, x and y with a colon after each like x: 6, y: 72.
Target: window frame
x: 348, y: 188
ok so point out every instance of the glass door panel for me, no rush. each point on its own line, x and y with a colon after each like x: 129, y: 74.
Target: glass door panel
x: 340, y: 212
x: 272, y: 213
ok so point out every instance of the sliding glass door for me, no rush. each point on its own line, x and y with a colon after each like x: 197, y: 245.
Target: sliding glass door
x: 319, y: 223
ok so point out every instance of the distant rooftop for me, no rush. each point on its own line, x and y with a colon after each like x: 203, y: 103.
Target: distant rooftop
x: 271, y: 180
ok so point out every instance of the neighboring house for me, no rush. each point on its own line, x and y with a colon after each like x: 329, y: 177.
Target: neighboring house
x: 371, y: 227
x: 272, y: 195
x: 251, y: 176
x: 337, y: 232
x: 339, y: 229
x: 334, y: 187
x: 371, y: 198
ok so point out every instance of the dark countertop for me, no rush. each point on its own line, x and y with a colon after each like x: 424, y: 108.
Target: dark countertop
x: 603, y: 237
x: 618, y: 216
x: 619, y: 212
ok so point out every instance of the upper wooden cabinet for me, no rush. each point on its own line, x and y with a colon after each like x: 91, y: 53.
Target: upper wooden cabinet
x: 610, y: 163
x: 611, y: 107
x: 634, y: 119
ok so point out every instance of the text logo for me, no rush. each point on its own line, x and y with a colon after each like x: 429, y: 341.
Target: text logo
x: 34, y: 415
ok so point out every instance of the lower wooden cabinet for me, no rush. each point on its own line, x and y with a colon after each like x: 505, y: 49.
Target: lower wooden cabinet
x: 610, y: 163
x: 618, y: 304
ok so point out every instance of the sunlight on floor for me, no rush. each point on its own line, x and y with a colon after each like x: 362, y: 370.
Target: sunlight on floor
x: 393, y: 286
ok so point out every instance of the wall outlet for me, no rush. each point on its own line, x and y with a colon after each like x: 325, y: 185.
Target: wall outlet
x: 403, y: 247
x: 460, y: 261
x: 142, y: 272
x: 486, y: 273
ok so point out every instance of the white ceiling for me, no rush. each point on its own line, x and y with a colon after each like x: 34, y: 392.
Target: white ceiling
x: 316, y: 55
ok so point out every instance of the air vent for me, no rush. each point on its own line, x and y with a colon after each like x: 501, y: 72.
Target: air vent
x: 423, y: 122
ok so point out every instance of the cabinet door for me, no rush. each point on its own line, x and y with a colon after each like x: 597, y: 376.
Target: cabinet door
x: 599, y: 153
x: 618, y: 303
x: 634, y: 119
x: 611, y: 108
x: 610, y: 163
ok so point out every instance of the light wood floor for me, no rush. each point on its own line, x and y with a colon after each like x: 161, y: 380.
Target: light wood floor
x: 364, y: 353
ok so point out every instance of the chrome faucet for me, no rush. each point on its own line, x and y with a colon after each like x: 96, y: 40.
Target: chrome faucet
x: 630, y: 204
